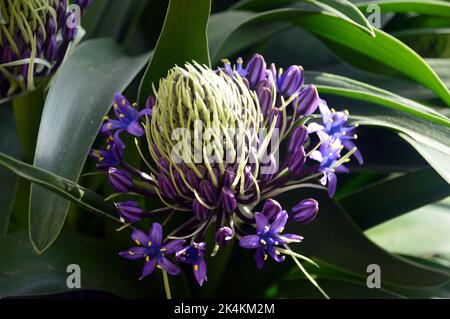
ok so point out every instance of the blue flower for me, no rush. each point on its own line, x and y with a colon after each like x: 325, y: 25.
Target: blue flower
x: 151, y: 248
x: 328, y: 156
x: 111, y: 155
x: 268, y: 237
x: 127, y: 118
x: 194, y: 255
x: 334, y: 125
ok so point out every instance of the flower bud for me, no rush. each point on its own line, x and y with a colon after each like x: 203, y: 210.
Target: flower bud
x: 256, y: 69
x: 297, y: 161
x: 305, y: 211
x: 291, y: 81
x: 228, y: 200
x: 298, y: 138
x: 270, y: 209
x: 223, y: 236
x: 166, y: 187
x: 200, y: 211
x: 129, y: 211
x: 119, y: 180
x: 307, y: 101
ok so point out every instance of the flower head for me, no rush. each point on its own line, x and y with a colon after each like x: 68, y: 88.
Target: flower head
x: 34, y: 38
x: 212, y: 153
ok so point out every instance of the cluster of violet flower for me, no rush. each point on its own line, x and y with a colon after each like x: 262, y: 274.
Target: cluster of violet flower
x: 34, y: 38
x: 225, y: 196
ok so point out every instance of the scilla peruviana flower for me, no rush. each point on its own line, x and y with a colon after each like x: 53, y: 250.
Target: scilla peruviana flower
x: 34, y: 38
x: 210, y: 140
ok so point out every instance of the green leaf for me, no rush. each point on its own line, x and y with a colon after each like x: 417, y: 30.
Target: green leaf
x: 417, y: 189
x: 77, y: 101
x: 338, y: 85
x: 416, y: 122
x: 69, y: 190
x: 9, y: 143
x: 421, y: 233
x: 27, y: 113
x: 341, y: 8
x: 383, y: 48
x: 344, y: 241
x: 23, y: 273
x: 431, y: 7
x: 183, y: 39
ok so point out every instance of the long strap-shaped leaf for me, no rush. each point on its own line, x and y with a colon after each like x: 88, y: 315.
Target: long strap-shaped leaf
x: 183, y: 39
x: 383, y: 48
x: 77, y: 101
x: 341, y: 8
x: 61, y: 186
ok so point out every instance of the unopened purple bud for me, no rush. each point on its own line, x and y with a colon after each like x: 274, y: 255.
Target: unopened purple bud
x: 265, y: 99
x: 51, y: 50
x: 256, y: 70
x: 7, y: 55
x: 166, y: 187
x: 200, y: 211
x: 305, y: 211
x: 119, y: 180
x: 50, y: 27
x: 69, y: 31
x: 150, y: 102
x: 223, y: 236
x: 181, y: 184
x: 228, y: 200
x: 291, y: 81
x: 298, y: 138
x: 129, y: 211
x: 307, y: 101
x: 61, y: 14
x: 228, y: 177
x: 208, y: 191
x: 270, y: 209
x: 192, y: 179
x: 297, y: 161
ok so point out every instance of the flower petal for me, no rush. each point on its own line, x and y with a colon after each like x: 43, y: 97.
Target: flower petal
x: 261, y: 223
x: 155, y: 234
x: 250, y: 242
x: 172, y: 246
x: 149, y: 267
x: 332, y: 182
x: 279, y: 222
x: 168, y: 266
x: 275, y: 255
x: 260, y: 256
x: 200, y: 271
x: 134, y: 253
x: 140, y: 237
x: 136, y: 129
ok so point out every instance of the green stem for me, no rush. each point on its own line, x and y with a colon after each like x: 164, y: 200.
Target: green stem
x: 166, y: 284
x: 27, y: 113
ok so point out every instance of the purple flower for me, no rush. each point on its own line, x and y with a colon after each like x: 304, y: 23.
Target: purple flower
x: 268, y: 237
x: 111, y: 155
x: 127, y: 118
x: 194, y: 255
x: 328, y: 156
x: 334, y: 125
x: 152, y: 248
